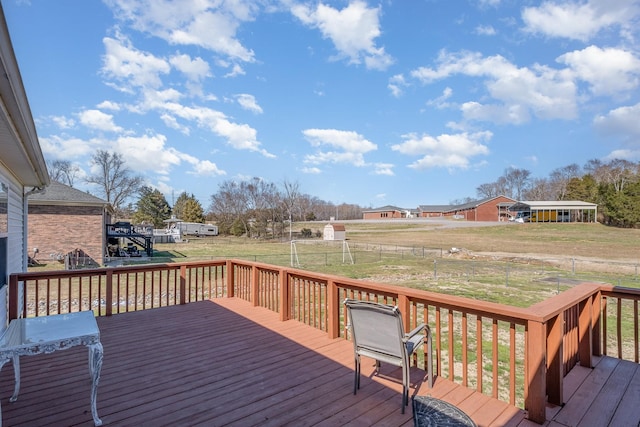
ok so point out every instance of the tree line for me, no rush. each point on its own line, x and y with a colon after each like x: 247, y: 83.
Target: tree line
x: 254, y: 208
x: 258, y: 208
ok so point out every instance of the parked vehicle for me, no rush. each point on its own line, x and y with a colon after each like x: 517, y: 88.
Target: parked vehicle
x: 197, y: 229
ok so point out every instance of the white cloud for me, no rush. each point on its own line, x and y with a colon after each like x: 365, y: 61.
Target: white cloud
x: 239, y: 136
x: 608, y: 71
x: 59, y: 147
x: 206, y: 168
x: 485, y: 30
x: 441, y: 101
x: 444, y: 151
x: 621, y: 121
x: 396, y: 85
x: 351, y: 145
x: 248, y: 102
x: 212, y: 25
x: 540, y: 90
x: 109, y: 105
x: 139, y: 150
x: 63, y: 122
x: 236, y: 70
x: 129, y: 68
x: 580, y: 20
x: 352, y: 30
x: 383, y: 169
x: 624, y: 154
x: 195, y: 69
x: 311, y: 170
x: 97, y: 120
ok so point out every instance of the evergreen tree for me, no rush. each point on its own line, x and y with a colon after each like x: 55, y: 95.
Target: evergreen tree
x: 152, y: 208
x: 192, y: 211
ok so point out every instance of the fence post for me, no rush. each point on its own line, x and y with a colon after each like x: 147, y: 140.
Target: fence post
x: 435, y: 269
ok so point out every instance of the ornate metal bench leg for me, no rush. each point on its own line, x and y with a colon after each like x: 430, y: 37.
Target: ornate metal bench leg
x: 95, y: 366
x: 16, y: 374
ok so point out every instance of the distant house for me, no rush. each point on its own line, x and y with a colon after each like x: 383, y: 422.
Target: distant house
x: 334, y: 231
x: 489, y: 209
x: 431, y: 211
x: 22, y: 167
x: 67, y: 224
x: 387, y: 212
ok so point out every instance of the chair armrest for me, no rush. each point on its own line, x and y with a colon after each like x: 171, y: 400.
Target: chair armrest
x: 416, y: 331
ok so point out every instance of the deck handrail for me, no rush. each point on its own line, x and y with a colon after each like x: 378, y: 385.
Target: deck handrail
x: 543, y: 341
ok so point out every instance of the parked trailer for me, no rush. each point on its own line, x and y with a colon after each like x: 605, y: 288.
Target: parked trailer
x: 197, y: 229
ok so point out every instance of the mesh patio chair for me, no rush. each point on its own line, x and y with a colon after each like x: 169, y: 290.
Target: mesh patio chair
x: 377, y: 332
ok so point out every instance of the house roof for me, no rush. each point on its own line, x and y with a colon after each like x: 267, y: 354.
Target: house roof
x: 552, y: 204
x: 336, y: 227
x: 57, y: 193
x: 386, y: 208
x: 434, y: 208
x: 463, y: 206
x: 20, y: 148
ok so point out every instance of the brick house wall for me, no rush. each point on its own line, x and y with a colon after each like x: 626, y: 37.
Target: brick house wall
x: 57, y: 229
x: 381, y: 215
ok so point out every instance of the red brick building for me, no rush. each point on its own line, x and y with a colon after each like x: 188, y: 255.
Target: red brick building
x: 66, y: 222
x: 387, y: 212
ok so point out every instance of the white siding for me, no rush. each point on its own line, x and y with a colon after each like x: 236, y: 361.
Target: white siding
x: 16, y: 259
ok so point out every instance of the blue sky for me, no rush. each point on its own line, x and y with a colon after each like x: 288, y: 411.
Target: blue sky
x: 389, y: 102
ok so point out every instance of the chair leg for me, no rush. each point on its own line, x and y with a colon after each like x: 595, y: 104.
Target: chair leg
x: 356, y: 380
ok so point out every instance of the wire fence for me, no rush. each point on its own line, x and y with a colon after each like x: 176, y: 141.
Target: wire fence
x: 438, y: 265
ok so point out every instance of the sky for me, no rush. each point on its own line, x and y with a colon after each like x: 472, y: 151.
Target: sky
x: 389, y: 102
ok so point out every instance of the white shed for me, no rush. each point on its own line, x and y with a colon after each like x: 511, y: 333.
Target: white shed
x: 22, y: 167
x: 334, y: 232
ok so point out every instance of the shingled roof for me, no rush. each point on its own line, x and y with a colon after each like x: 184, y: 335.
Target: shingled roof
x: 57, y: 193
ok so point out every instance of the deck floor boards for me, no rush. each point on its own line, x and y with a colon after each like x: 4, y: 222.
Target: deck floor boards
x: 226, y: 363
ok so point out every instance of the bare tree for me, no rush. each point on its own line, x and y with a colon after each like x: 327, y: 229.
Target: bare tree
x: 63, y: 171
x: 561, y: 177
x: 115, y: 180
x: 518, y: 180
x: 486, y: 191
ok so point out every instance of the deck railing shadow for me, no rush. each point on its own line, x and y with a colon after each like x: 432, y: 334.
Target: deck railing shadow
x: 518, y: 355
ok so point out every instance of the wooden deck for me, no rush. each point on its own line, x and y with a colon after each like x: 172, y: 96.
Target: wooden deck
x: 223, y: 362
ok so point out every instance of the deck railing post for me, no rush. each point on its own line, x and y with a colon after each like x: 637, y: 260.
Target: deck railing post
x: 14, y: 297
x: 585, y: 331
x: 404, y: 307
x: 597, y: 316
x: 230, y: 279
x: 285, y: 296
x: 535, y: 401
x: 555, y: 365
x: 255, y: 285
x: 109, y: 293
x: 333, y: 309
x: 183, y: 284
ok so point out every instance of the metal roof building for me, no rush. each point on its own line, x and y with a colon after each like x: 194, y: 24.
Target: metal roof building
x: 556, y: 210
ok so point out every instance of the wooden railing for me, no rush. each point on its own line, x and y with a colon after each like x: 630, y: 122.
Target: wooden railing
x: 519, y: 355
